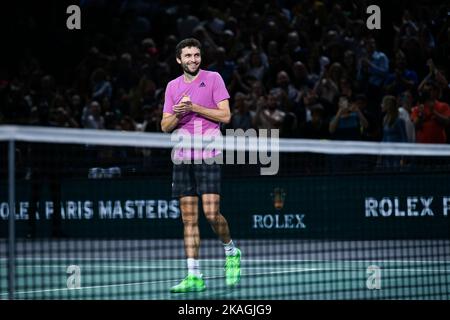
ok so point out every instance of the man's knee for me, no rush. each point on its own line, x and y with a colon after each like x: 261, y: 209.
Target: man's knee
x: 213, y: 216
x: 190, y: 219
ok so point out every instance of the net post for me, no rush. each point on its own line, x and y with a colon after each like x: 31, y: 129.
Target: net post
x: 11, y: 226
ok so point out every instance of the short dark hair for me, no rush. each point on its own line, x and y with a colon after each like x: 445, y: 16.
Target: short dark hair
x: 189, y: 42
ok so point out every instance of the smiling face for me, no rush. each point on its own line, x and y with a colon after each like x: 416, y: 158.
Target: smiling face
x: 190, y: 60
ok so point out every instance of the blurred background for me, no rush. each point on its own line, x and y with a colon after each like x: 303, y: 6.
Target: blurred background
x: 295, y: 59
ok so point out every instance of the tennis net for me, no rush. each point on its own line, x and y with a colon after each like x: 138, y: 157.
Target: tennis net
x: 94, y: 218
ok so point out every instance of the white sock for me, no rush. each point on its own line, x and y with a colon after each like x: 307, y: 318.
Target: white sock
x: 194, y: 267
x: 230, y: 249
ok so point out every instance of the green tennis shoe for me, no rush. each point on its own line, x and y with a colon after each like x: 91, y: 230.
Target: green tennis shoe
x: 190, y: 284
x: 233, y: 269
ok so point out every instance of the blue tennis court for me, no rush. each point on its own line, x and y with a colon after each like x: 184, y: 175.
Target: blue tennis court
x: 272, y: 270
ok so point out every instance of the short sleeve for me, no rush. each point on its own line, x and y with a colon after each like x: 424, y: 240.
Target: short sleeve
x: 168, y: 101
x: 445, y: 109
x: 220, y: 91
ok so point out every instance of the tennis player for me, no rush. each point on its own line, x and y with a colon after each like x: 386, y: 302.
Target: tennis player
x: 198, y: 98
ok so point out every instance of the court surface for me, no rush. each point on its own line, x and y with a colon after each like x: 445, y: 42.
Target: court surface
x: 271, y: 269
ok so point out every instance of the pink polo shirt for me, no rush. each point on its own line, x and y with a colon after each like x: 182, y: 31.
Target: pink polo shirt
x: 207, y: 90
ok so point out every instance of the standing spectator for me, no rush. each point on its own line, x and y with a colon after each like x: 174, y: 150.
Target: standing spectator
x: 437, y: 77
x: 431, y: 118
x: 350, y: 65
x: 317, y: 127
x: 347, y: 124
x: 402, y: 78
x: 101, y: 87
x: 327, y: 88
x: 393, y: 126
x: 348, y: 121
x: 405, y: 100
x: 373, y: 69
x: 393, y: 130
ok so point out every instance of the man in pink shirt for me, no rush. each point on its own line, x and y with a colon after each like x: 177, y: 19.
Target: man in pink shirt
x: 197, y: 101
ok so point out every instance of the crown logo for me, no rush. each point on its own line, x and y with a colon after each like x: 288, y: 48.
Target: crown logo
x: 278, y: 196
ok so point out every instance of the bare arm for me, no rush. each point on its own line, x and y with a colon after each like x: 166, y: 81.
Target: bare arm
x: 334, y: 123
x: 221, y: 114
x: 424, y: 81
x: 169, y: 121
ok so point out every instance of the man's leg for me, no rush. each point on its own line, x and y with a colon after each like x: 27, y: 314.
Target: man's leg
x: 211, y: 205
x: 189, y: 213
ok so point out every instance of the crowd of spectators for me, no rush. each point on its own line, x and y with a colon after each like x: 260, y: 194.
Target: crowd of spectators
x: 310, y: 68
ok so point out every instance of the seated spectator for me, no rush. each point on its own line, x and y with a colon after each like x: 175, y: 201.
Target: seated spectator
x: 241, y: 118
x: 293, y: 48
x: 92, y: 117
x: 224, y: 67
x: 268, y: 115
x: 258, y: 65
x: 284, y: 84
x: 257, y: 91
x: 61, y: 117
x: 301, y: 77
x: 127, y: 124
x: 152, y: 120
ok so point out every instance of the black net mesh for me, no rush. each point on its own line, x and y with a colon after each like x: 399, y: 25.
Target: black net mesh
x: 100, y: 222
